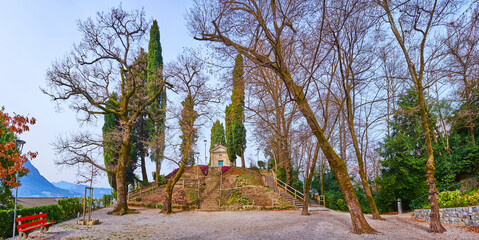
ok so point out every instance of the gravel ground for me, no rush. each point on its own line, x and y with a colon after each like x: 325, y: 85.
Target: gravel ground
x: 150, y: 224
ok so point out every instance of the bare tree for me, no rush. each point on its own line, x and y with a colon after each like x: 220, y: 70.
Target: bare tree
x: 463, y: 60
x: 277, y: 27
x: 187, y: 74
x: 105, y: 61
x: 350, y: 23
x: 272, y: 112
x: 411, y: 30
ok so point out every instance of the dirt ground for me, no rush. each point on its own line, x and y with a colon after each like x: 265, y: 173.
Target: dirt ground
x: 150, y: 224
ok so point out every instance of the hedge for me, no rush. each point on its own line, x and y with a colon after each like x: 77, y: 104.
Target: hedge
x: 66, y: 209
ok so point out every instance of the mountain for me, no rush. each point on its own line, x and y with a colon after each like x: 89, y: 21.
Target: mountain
x: 35, y: 185
x: 97, y: 192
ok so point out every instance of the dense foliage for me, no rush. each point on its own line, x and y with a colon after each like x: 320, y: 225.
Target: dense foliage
x: 235, y: 130
x: 156, y: 112
x: 217, y: 134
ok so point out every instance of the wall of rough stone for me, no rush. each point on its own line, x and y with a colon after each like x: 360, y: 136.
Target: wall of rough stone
x: 464, y: 216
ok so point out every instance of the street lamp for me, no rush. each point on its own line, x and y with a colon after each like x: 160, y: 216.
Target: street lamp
x: 206, y: 157
x: 19, y: 146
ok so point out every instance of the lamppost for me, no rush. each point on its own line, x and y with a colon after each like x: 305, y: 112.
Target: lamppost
x: 19, y: 146
x: 206, y: 157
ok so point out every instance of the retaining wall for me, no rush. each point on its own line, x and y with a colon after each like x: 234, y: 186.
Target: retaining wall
x: 464, y: 216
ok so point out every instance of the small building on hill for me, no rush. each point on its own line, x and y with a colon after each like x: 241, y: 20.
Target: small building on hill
x: 219, y: 156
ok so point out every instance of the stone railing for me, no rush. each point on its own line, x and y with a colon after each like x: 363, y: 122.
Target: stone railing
x: 464, y: 216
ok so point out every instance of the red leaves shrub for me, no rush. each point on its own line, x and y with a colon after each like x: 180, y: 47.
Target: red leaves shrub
x: 172, y: 173
x: 224, y: 169
x: 204, y: 169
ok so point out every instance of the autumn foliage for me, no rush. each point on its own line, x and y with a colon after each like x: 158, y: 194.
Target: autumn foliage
x: 10, y: 160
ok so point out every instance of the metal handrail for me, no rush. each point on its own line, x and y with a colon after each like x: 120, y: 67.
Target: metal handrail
x: 453, y: 185
x: 288, y: 189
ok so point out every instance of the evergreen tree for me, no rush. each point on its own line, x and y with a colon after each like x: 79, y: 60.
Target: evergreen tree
x: 405, y: 155
x: 235, y: 130
x: 231, y: 147
x: 217, y: 134
x: 157, y: 111
x: 111, y: 123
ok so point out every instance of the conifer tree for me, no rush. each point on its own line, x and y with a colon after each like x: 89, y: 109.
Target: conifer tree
x: 235, y: 130
x: 217, y: 134
x: 157, y: 113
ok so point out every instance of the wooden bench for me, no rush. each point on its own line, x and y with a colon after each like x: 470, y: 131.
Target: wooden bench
x: 25, y: 228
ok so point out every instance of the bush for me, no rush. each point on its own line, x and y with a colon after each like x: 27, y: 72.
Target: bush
x: 204, y: 169
x: 71, y: 207
x: 342, y: 205
x: 448, y: 199
x: 106, y: 200
x: 138, y: 199
x: 224, y: 169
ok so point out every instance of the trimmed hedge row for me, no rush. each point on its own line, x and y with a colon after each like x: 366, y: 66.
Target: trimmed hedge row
x: 65, y: 209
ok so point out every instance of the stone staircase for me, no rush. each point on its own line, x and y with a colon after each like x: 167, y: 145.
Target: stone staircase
x: 271, y: 183
x: 209, y: 197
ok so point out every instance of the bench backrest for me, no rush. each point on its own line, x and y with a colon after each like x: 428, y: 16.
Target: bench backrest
x: 29, y: 224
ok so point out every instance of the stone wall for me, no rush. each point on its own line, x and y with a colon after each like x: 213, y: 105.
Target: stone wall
x: 468, y: 216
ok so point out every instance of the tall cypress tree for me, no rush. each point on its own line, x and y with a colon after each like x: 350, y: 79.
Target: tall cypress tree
x: 231, y: 148
x: 235, y: 130
x: 217, y: 134
x: 157, y: 113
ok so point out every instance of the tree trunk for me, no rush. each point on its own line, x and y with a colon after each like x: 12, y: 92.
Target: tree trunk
x: 362, y: 172
x: 121, y: 185
x: 435, y: 223
x: 338, y: 166
x: 307, y: 182
x: 144, y: 174
x: 243, y: 164
x: 285, y: 158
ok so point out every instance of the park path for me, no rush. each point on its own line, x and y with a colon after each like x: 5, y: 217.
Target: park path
x: 151, y: 224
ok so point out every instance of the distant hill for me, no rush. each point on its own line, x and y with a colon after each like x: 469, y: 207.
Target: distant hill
x: 35, y: 185
x: 80, y: 188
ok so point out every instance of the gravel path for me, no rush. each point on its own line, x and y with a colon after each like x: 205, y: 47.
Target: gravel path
x: 150, y: 224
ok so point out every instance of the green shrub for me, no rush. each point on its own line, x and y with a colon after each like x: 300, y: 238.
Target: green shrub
x: 342, y: 205
x: 71, y: 207
x: 106, y: 200
x: 138, y: 199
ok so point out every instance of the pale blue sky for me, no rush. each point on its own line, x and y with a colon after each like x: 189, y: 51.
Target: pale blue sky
x: 35, y: 33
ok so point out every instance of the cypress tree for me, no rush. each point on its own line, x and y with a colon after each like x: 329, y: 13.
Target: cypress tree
x: 217, y: 134
x: 235, y: 130
x: 229, y: 134
x: 157, y: 113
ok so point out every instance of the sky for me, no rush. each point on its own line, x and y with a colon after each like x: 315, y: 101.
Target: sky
x: 36, y: 33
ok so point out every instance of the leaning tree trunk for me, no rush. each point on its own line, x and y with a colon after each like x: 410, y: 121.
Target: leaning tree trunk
x: 435, y: 223
x: 362, y: 172
x: 338, y: 166
x: 171, y: 185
